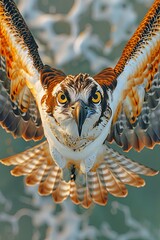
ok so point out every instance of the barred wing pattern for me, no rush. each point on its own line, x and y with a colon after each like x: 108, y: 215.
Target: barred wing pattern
x: 26, y: 124
x: 19, y: 71
x: 110, y: 177
x: 145, y: 131
x: 23, y: 65
x: 137, y: 112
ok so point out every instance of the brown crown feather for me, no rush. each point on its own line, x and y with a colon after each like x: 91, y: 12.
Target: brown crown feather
x: 50, y: 77
x: 107, y: 77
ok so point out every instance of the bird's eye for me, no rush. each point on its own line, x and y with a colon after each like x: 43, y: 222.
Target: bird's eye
x: 96, y: 97
x: 61, y: 97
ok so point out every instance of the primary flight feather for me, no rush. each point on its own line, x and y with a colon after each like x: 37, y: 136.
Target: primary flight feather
x: 79, y: 114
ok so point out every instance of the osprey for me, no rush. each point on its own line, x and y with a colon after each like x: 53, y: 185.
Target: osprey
x: 80, y: 114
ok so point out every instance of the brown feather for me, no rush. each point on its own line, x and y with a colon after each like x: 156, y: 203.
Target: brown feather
x: 135, y: 118
x: 19, y: 53
x: 136, y: 40
x: 109, y: 176
x: 50, y: 77
x: 98, y: 191
x: 107, y: 77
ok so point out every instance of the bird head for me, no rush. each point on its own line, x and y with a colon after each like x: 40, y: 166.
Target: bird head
x: 78, y: 107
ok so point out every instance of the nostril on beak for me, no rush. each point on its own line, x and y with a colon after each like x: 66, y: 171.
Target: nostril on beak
x: 80, y: 111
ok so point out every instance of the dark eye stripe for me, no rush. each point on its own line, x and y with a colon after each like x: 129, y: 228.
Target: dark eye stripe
x: 93, y: 91
x: 67, y: 95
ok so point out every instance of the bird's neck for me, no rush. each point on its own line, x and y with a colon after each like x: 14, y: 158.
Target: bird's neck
x: 86, y: 157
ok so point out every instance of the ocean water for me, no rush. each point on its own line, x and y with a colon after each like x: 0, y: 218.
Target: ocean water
x: 79, y: 36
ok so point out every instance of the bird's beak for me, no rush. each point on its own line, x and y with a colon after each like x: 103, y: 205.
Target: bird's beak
x: 80, y: 113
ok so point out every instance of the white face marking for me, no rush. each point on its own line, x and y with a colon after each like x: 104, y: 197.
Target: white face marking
x: 62, y: 122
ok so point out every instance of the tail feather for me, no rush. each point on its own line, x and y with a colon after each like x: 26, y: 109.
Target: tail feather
x: 87, y: 201
x: 125, y: 176
x: 111, y: 176
x: 79, y: 192
x: 136, y: 167
x: 97, y: 190
x: 113, y: 185
x: 36, y: 175
x: 61, y: 192
x: 27, y: 167
x: 73, y: 193
x: 50, y: 183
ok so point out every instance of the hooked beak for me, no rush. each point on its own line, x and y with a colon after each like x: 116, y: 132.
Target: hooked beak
x: 80, y: 113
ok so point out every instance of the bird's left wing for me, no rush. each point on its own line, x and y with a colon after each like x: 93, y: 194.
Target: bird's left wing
x: 135, y: 84
x: 20, y: 67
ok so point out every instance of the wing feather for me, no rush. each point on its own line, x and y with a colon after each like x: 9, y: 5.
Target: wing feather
x: 135, y: 100
x: 18, y: 47
x: 20, y: 123
x: 20, y: 67
x: 135, y: 103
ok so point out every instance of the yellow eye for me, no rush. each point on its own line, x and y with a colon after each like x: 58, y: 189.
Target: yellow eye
x: 96, y: 98
x: 62, y: 98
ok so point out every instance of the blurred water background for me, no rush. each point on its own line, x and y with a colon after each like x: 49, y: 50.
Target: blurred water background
x: 79, y: 36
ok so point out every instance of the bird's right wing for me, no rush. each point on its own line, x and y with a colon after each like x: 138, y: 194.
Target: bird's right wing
x: 20, y: 67
x: 26, y: 124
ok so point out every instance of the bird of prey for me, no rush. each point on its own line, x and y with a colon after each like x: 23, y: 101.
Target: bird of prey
x: 80, y: 115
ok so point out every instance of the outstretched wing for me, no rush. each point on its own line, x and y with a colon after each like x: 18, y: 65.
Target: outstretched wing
x: 136, y: 95
x: 20, y: 67
x: 21, y: 61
